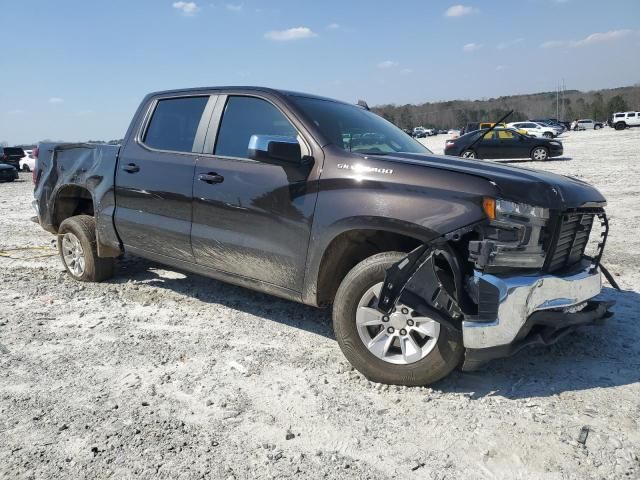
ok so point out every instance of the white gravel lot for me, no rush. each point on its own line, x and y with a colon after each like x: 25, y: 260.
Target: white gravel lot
x: 161, y: 374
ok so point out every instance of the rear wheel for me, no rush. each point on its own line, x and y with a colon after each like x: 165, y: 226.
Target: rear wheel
x: 78, y: 251
x: 540, y: 154
x: 25, y: 168
x: 620, y: 126
x: 469, y: 154
x: 403, y: 348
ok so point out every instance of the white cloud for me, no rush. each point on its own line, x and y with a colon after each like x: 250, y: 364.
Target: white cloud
x: 17, y: 111
x: 333, y: 26
x: 187, y: 8
x: 459, y: 11
x: 234, y: 7
x: 296, y: 33
x: 471, y: 47
x: 387, y: 64
x: 601, y: 37
x: 593, y: 39
x: 56, y: 100
x: 499, y: 68
x: 406, y: 71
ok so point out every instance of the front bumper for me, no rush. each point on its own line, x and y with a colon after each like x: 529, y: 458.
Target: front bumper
x: 506, y: 303
x: 556, y: 150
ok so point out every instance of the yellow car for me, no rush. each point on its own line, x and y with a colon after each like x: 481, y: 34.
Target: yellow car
x: 503, y: 125
x: 480, y: 125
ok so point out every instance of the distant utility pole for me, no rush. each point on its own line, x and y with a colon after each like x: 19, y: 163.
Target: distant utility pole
x: 563, y: 111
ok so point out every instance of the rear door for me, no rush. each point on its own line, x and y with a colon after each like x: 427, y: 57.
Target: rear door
x: 633, y: 118
x: 252, y: 219
x: 154, y: 177
x: 488, y: 146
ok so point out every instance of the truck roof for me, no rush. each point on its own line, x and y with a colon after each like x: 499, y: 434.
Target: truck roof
x: 276, y: 91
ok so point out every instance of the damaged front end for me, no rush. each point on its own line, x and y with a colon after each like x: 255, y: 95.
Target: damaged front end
x: 521, y: 277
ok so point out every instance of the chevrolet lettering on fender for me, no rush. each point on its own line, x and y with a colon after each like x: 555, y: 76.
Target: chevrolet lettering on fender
x: 428, y: 262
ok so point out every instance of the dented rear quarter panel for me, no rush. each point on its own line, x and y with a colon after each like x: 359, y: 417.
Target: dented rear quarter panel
x: 87, y: 166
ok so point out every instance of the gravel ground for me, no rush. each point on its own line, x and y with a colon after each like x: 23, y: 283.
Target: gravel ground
x: 161, y: 374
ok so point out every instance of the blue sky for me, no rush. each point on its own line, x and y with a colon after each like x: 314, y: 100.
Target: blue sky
x: 77, y: 69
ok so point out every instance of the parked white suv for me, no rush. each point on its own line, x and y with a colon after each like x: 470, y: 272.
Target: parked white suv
x: 622, y: 120
x: 534, y: 129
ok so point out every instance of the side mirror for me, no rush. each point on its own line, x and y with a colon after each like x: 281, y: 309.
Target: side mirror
x: 275, y: 149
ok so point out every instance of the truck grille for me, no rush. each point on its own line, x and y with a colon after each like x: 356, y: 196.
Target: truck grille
x: 570, y: 241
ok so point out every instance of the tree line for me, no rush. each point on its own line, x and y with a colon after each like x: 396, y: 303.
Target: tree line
x: 597, y: 105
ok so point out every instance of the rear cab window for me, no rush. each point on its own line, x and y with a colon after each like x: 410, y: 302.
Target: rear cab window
x: 174, y: 123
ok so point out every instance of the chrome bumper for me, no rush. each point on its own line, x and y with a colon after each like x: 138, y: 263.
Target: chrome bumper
x: 518, y: 297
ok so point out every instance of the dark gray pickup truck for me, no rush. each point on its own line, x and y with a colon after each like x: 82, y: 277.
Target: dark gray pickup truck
x: 430, y: 262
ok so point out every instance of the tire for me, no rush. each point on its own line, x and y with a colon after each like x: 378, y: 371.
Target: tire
x: 620, y: 126
x: 443, y: 355
x: 597, y: 127
x: 469, y: 154
x: 547, y: 135
x: 25, y: 168
x: 540, y: 154
x: 79, y: 234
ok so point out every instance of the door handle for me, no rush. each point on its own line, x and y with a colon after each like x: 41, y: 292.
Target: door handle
x: 211, y: 178
x: 131, y: 168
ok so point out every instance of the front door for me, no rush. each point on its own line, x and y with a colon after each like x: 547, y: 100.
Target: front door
x: 509, y: 145
x: 155, y: 177
x: 251, y: 218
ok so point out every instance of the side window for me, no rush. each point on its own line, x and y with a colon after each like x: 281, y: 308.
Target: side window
x: 505, y: 135
x: 247, y: 116
x: 174, y: 123
x: 631, y: 115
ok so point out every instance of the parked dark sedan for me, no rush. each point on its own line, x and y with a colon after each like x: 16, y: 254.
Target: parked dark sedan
x: 11, y: 156
x: 7, y: 173
x: 502, y: 143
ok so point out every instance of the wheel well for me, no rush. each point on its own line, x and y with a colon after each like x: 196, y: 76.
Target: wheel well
x: 71, y: 201
x: 350, y: 248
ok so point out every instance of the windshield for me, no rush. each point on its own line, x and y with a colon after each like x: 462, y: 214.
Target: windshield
x: 357, y: 130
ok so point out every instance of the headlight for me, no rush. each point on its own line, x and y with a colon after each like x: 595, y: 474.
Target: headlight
x: 513, y: 237
x: 497, y: 209
x: 505, y: 208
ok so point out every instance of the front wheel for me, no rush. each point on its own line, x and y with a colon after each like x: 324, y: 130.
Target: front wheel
x: 78, y: 251
x: 25, y: 168
x: 540, y: 154
x: 403, y: 348
x: 469, y: 154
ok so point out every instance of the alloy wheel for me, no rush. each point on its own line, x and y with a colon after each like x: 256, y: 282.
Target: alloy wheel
x: 402, y: 337
x: 539, y: 154
x: 73, y: 254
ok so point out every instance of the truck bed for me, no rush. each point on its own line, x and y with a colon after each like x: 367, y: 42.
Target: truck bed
x: 64, y: 170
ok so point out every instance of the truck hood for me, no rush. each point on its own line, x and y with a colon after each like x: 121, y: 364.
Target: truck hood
x: 534, y: 187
